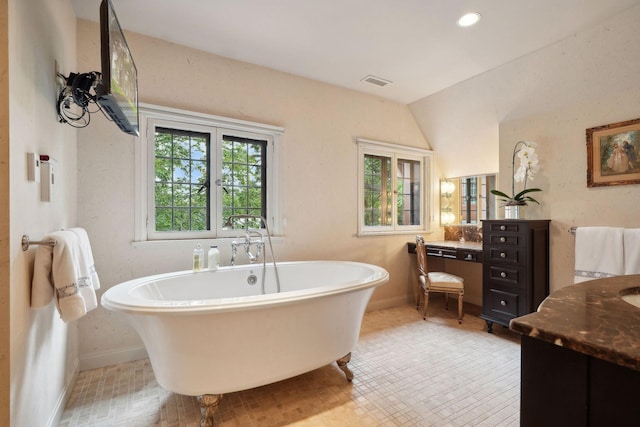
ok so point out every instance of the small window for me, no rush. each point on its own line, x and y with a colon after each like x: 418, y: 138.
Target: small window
x: 181, y: 187
x: 393, y: 188
x: 377, y: 190
x: 195, y: 171
x: 244, y: 178
x: 409, y: 193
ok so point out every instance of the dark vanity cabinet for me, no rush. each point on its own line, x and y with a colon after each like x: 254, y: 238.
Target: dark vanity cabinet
x: 562, y: 387
x: 580, y: 358
x: 515, y: 274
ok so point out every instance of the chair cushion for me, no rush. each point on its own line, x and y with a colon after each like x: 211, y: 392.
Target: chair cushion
x: 446, y: 280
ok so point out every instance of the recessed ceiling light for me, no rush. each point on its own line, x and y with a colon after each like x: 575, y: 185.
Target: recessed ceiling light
x: 469, y: 19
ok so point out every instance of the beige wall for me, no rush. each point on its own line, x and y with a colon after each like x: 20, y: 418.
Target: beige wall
x: 463, y: 133
x: 550, y: 97
x: 44, y: 355
x: 319, y: 170
x: 5, y: 344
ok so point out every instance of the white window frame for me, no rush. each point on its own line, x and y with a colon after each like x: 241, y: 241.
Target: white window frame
x: 152, y: 116
x: 395, y: 152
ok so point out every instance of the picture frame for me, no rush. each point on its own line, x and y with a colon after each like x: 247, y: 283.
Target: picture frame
x: 613, y: 154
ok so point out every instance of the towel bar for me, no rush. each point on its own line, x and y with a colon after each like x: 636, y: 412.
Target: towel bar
x: 26, y: 242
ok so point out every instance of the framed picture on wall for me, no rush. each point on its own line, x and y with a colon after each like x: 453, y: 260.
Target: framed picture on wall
x: 613, y: 154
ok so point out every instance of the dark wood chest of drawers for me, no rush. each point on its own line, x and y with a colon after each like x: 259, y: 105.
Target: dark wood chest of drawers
x: 515, y: 272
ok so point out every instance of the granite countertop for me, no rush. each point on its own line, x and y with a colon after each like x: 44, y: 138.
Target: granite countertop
x: 590, y: 318
x: 475, y: 246
x: 454, y: 244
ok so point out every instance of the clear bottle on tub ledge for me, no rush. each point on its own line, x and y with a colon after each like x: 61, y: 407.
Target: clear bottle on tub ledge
x: 198, y: 258
x: 214, y: 257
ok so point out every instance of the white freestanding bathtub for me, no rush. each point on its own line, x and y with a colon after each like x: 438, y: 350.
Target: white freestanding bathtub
x: 213, y: 332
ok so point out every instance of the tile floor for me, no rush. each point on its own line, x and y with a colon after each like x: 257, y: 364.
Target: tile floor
x: 408, y: 372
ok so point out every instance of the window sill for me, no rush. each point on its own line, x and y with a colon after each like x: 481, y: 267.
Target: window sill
x: 191, y: 243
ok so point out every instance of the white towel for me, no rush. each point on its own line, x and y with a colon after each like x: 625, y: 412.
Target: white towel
x: 88, y: 279
x: 599, y: 253
x: 41, y: 285
x: 57, y: 268
x: 632, y: 251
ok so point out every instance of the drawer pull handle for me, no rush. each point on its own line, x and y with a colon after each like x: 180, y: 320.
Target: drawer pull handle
x: 503, y: 239
x: 469, y: 257
x: 502, y: 227
x: 503, y: 255
x: 503, y: 303
x: 440, y: 253
x: 503, y: 274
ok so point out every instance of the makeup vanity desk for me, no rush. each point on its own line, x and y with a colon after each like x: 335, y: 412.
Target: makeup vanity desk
x: 463, y: 259
x: 513, y: 267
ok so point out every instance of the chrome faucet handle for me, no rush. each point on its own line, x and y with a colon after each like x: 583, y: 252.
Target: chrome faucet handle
x: 234, y: 251
x: 259, y: 246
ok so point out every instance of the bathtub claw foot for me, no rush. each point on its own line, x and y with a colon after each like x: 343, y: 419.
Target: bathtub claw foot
x: 342, y: 364
x: 208, y: 406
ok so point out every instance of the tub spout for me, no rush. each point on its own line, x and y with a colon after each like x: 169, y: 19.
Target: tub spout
x: 258, y: 243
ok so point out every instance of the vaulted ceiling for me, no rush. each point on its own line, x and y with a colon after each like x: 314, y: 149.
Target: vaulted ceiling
x: 414, y: 44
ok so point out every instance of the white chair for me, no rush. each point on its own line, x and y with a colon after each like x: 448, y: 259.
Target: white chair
x: 436, y: 282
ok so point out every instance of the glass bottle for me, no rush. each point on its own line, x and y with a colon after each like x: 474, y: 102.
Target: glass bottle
x: 214, y: 257
x: 198, y: 258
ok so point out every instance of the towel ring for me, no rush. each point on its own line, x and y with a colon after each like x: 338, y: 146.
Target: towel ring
x: 26, y: 242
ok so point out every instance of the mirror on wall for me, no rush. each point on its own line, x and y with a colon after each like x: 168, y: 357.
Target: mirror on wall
x: 467, y: 199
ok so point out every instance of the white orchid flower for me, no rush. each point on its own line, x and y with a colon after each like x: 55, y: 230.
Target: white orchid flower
x: 528, y: 166
x: 527, y: 152
x: 520, y: 173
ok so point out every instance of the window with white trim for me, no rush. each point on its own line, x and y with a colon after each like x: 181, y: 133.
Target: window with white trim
x: 393, y: 188
x: 195, y: 171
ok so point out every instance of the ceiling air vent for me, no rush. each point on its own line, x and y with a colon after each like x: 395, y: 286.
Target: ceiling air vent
x: 376, y: 81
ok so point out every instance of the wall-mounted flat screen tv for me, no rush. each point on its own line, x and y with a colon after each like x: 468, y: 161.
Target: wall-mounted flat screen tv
x: 117, y: 93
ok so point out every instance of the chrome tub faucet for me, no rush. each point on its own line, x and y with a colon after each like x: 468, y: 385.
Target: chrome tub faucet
x: 258, y: 243
x: 246, y: 244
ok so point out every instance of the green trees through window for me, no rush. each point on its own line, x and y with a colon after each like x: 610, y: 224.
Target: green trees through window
x: 393, y: 188
x: 243, y: 178
x: 183, y: 191
x: 181, y: 180
x: 409, y: 195
x: 195, y: 170
x: 377, y: 190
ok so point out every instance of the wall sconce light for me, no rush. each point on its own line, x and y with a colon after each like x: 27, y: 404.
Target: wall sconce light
x: 447, y: 217
x: 447, y: 188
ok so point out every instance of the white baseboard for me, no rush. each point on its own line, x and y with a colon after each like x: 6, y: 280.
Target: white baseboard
x: 65, y: 395
x: 388, y: 303
x: 112, y: 357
